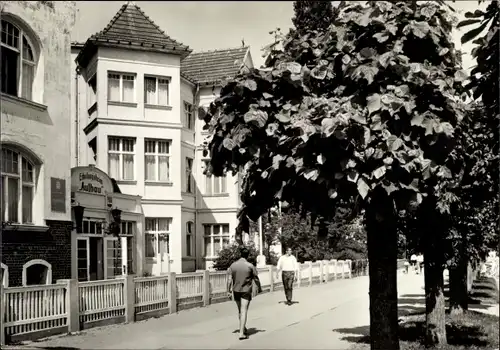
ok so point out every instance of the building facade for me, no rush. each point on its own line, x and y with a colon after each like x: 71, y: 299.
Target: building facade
x: 35, y: 124
x: 135, y: 96
x: 108, y: 225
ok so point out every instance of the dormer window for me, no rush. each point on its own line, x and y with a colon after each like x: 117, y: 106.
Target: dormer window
x: 18, y: 62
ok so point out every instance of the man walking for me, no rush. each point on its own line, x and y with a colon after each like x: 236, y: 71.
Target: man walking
x: 288, y: 264
x: 241, y: 275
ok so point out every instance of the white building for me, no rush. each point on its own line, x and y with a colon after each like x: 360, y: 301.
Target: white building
x: 135, y: 95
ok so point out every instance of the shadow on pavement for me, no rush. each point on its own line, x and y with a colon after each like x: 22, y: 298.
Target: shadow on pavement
x: 251, y: 331
x: 284, y: 302
x: 358, y: 334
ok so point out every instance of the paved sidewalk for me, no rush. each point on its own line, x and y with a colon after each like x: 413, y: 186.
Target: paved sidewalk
x: 308, y: 324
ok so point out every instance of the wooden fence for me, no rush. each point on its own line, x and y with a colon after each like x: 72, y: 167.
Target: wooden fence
x: 69, y: 306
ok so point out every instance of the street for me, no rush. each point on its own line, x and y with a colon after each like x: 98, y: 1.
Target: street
x: 321, y: 318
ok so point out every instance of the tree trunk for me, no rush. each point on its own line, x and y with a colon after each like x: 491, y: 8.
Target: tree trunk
x: 458, y: 288
x: 382, y: 255
x: 459, y: 298
x: 435, y: 306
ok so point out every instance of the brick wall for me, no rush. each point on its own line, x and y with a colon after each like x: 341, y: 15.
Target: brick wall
x: 53, y: 246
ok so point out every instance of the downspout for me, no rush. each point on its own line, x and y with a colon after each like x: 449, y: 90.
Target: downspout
x: 77, y: 118
x: 196, y: 98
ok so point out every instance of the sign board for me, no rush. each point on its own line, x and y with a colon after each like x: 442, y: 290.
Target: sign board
x: 90, y: 180
x: 58, y: 195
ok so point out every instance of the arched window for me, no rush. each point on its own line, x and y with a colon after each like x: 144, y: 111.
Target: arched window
x: 17, y: 187
x: 18, y: 61
x: 4, y: 275
x: 37, y: 271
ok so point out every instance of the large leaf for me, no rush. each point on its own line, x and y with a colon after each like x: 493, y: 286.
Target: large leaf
x: 467, y: 22
x: 257, y: 116
x: 473, y: 33
x: 363, y: 188
x: 475, y: 14
x: 373, y: 103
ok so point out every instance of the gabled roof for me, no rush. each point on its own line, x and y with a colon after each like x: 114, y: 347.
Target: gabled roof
x: 212, y: 67
x: 131, y: 28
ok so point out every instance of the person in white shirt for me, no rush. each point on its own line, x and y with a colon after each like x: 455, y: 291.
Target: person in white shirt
x: 288, y: 264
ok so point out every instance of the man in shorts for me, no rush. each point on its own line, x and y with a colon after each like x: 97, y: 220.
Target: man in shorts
x: 241, y: 275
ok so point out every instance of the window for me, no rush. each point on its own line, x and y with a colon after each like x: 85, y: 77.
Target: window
x: 121, y: 158
x: 216, y: 237
x: 36, y: 272
x: 189, y: 175
x: 127, y: 228
x: 188, y: 116
x: 18, y: 62
x: 189, y: 238
x: 92, y: 226
x: 92, y: 91
x: 157, y: 160
x: 18, y: 187
x: 215, y: 184
x: 157, y: 236
x: 121, y: 87
x: 130, y: 256
x: 156, y: 91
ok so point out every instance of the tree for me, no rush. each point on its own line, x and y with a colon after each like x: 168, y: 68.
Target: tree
x: 346, y: 115
x: 476, y: 220
x: 483, y: 81
x: 312, y: 15
x: 229, y: 254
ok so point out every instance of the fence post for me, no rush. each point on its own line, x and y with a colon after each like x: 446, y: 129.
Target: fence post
x: 206, y: 288
x: 2, y: 315
x: 172, y: 293
x: 129, y: 294
x: 326, y: 263
x: 349, y: 265
x: 321, y: 272
x: 310, y: 272
x: 72, y: 304
x: 341, y: 268
x: 334, y: 263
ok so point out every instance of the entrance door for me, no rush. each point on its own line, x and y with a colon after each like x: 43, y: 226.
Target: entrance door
x: 113, y: 264
x: 83, y: 259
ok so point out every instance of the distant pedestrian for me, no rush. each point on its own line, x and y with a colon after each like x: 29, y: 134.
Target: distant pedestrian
x: 241, y: 276
x: 413, y: 261
x: 288, y: 264
x: 420, y: 262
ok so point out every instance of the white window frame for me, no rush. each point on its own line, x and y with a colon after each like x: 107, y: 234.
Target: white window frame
x: 156, y: 154
x: 222, y: 183
x: 21, y: 59
x: 189, y: 116
x: 21, y: 183
x: 221, y: 235
x: 190, y: 233
x: 37, y: 262
x: 121, y: 152
x: 156, y: 233
x: 189, y: 175
x: 121, y: 76
x: 157, y: 95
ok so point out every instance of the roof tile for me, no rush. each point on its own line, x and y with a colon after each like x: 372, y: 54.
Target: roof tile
x: 214, y: 66
x: 132, y: 25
